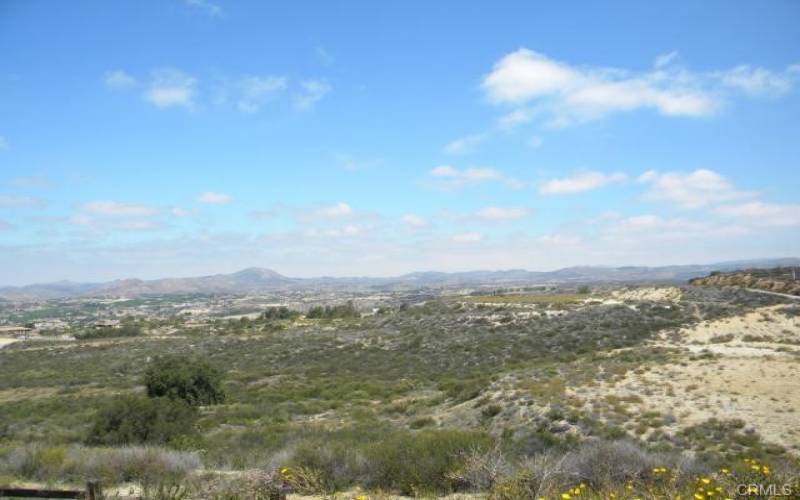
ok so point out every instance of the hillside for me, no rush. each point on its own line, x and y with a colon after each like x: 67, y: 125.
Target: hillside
x: 255, y: 279
x: 504, y: 397
x: 779, y: 280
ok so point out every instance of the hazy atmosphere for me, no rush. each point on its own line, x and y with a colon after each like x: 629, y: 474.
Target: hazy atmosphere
x: 351, y: 250
x: 178, y: 138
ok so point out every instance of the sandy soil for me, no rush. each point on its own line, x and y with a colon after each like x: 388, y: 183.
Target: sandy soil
x: 757, y: 381
x: 649, y: 294
x: 4, y: 341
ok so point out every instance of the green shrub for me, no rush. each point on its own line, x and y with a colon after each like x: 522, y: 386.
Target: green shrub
x: 412, y: 463
x: 178, y: 377
x: 77, y: 464
x: 140, y: 420
x: 491, y: 411
x: 333, y: 312
x: 104, y: 333
x: 421, y: 422
x: 275, y: 313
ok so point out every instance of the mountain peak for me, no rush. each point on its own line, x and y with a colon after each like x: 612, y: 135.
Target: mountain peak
x: 259, y: 272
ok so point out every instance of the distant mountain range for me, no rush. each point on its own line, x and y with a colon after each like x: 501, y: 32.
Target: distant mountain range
x: 255, y: 279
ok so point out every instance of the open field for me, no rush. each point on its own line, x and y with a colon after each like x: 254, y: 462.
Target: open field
x: 397, y: 401
x: 528, y: 298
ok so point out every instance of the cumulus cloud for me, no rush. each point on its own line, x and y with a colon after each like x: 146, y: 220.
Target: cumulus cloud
x: 180, y: 212
x: 691, y: 190
x: 515, y: 118
x: 413, y: 220
x: 337, y: 210
x: 500, y: 213
x: 212, y: 198
x: 765, y: 214
x: 312, y: 91
x: 470, y: 237
x: 113, y: 224
x: 757, y: 81
x: 115, y: 208
x: 573, y: 94
x: 255, y: 91
x: 119, y: 79
x: 642, y: 228
x: 581, y: 182
x: 449, y: 177
x: 171, y: 87
x: 464, y: 145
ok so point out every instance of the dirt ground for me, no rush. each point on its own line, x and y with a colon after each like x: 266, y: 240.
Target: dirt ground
x: 752, y: 374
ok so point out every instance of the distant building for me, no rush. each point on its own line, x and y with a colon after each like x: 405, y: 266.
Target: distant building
x: 51, y: 324
x: 106, y: 323
x: 14, y: 330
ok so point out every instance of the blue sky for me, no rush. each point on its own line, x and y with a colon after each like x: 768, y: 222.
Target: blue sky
x: 174, y: 138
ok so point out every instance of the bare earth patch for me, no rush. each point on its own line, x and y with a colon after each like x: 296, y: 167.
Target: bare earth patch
x: 649, y: 294
x: 745, y: 367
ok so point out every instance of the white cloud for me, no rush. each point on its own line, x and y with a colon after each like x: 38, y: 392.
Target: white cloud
x: 663, y: 60
x: 471, y: 237
x: 453, y: 178
x: 499, y: 213
x: 690, y: 190
x: 346, y: 231
x: 7, y: 201
x: 569, y: 94
x: 515, y: 118
x: 764, y: 214
x: 180, y: 212
x: 464, y: 145
x: 212, y: 198
x: 118, y: 79
x: 119, y: 209
x: 312, y: 92
x: 524, y: 74
x: 113, y: 224
x: 211, y: 8
x: 255, y: 91
x: 559, y: 240
x: 757, y: 81
x: 581, y: 182
x: 414, y: 220
x: 642, y: 228
x: 340, y: 209
x: 171, y: 87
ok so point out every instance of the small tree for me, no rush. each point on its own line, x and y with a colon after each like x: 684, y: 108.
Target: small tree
x: 178, y: 377
x: 141, y: 420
